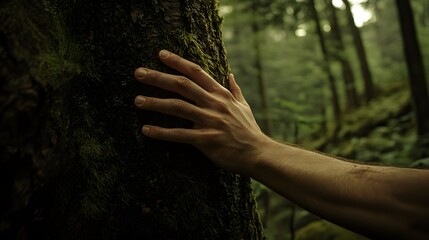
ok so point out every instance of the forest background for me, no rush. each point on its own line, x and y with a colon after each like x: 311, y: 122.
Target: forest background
x: 335, y: 76
x: 288, y: 70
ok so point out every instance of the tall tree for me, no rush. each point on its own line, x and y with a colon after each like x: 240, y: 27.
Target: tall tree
x: 348, y: 77
x: 416, y: 71
x: 73, y: 162
x: 360, y: 49
x: 267, y: 124
x: 326, y: 65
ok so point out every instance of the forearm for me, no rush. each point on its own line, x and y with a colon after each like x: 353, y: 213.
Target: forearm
x: 377, y: 201
x: 368, y: 199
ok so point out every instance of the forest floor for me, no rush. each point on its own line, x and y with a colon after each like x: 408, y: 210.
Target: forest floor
x: 382, y: 132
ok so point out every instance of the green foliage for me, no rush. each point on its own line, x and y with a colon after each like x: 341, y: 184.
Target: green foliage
x: 422, y: 163
x: 323, y: 230
x: 381, y: 132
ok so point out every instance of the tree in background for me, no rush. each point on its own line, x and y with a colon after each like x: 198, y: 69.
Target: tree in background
x: 327, y: 68
x: 360, y: 49
x: 347, y: 73
x: 266, y: 124
x: 293, y: 64
x: 416, y: 71
x: 74, y: 164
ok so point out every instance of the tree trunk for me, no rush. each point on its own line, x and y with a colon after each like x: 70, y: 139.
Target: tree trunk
x: 416, y: 71
x: 424, y: 16
x: 348, y: 77
x: 267, y: 123
x: 360, y: 49
x: 326, y: 65
x: 74, y: 164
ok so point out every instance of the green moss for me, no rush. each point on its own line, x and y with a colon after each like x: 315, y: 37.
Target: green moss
x: 100, y: 173
x: 60, y: 61
x: 210, y: 52
x: 55, y: 57
x: 190, y: 43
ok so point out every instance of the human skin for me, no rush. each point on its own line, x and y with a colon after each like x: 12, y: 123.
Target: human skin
x: 376, y: 201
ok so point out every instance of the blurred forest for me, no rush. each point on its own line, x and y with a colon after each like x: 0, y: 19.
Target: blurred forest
x: 333, y: 75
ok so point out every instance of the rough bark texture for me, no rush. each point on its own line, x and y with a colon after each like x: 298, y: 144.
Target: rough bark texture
x: 416, y: 70
x: 73, y: 162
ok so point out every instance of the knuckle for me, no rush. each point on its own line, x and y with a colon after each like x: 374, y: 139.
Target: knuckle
x: 180, y: 106
x: 154, y: 75
x: 206, y: 138
x: 183, y: 82
x: 155, y: 132
x: 222, y: 107
x: 178, y: 134
x: 195, y: 68
x: 160, y: 133
x: 150, y: 101
x: 226, y: 94
x: 219, y: 122
x: 175, y: 59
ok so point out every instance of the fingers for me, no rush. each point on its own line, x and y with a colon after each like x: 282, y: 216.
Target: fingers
x: 178, y: 84
x: 175, y: 107
x: 180, y: 135
x: 189, y: 69
x: 235, y: 89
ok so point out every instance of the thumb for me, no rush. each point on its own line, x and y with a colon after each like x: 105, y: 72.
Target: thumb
x: 235, y: 89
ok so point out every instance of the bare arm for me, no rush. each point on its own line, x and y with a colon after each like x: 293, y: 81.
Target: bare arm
x: 376, y: 201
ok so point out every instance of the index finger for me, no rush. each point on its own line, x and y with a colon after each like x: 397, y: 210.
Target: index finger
x: 192, y: 70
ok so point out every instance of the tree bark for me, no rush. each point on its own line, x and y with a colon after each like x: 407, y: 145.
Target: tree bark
x: 326, y: 66
x: 348, y: 77
x: 416, y: 71
x: 74, y: 164
x: 360, y: 49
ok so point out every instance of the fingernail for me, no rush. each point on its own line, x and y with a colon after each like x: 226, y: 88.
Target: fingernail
x: 139, y: 100
x: 145, y: 130
x: 140, y: 73
x: 164, y: 54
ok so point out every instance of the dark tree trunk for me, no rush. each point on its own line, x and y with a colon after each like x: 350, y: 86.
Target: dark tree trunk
x: 416, y: 71
x: 360, y: 49
x: 348, y: 77
x: 73, y: 161
x: 326, y: 66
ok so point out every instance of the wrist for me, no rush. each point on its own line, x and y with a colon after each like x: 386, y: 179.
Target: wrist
x: 261, y: 155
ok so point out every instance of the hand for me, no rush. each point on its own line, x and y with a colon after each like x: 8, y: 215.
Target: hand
x: 224, y: 127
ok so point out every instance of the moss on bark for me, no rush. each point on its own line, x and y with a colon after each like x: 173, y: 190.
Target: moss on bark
x: 88, y: 172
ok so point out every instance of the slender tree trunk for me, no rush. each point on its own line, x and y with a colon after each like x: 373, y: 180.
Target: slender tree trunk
x: 74, y: 164
x: 360, y: 49
x: 424, y: 17
x: 379, y: 30
x: 416, y: 71
x: 326, y: 65
x: 267, y: 123
x: 348, y: 77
